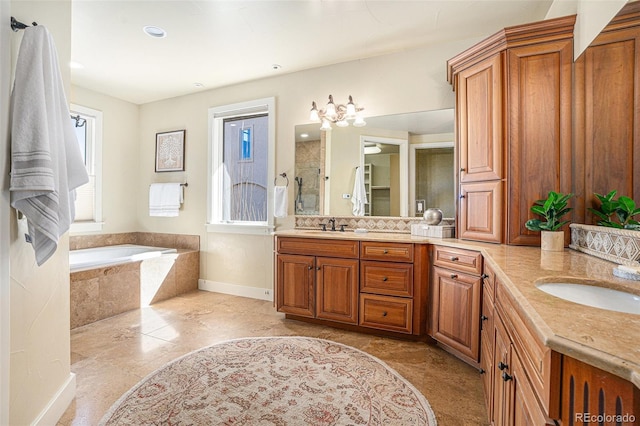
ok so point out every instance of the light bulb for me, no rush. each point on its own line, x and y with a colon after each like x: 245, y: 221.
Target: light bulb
x: 313, y: 114
x: 351, y: 108
x: 342, y: 123
x: 330, y: 110
x: 325, y: 125
x: 359, y: 122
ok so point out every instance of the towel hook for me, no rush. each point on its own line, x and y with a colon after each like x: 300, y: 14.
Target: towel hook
x: 17, y: 25
x: 284, y: 175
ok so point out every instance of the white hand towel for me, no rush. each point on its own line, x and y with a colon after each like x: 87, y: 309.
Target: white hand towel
x: 280, y: 201
x: 165, y: 199
x: 359, y: 196
x: 46, y: 164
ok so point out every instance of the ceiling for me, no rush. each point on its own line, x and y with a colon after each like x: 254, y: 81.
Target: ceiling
x: 219, y: 43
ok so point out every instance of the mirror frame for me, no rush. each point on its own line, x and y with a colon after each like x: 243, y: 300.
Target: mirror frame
x: 412, y: 167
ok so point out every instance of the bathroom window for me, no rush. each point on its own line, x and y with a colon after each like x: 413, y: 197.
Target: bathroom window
x: 241, y: 143
x: 87, y: 123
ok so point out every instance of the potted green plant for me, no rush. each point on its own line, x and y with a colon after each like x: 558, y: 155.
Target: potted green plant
x: 552, y: 209
x: 616, y: 213
x: 616, y: 237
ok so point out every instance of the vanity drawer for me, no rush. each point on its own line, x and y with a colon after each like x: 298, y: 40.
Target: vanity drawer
x: 458, y: 259
x: 386, y: 313
x: 395, y: 252
x: 318, y: 247
x: 392, y: 279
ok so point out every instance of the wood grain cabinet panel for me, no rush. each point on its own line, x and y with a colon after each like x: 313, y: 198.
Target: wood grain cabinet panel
x: 456, y: 312
x: 386, y: 313
x: 390, y: 252
x: 391, y: 279
x: 457, y: 259
x: 295, y: 284
x: 480, y: 217
x: 479, y: 99
x: 337, y: 289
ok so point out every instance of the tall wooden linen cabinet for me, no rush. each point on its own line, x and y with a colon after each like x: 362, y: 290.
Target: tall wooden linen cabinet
x: 513, y: 127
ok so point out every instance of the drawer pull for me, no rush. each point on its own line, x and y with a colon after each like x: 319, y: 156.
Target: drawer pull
x: 454, y: 258
x: 384, y: 278
x: 506, y: 377
x: 384, y: 313
x: 502, y: 366
x: 454, y: 276
x: 484, y: 276
x: 385, y: 251
x: 484, y: 317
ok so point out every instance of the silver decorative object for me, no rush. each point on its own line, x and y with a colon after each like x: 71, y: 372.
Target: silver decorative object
x: 433, y: 216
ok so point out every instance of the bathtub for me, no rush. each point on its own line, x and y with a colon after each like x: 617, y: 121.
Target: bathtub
x: 99, y: 257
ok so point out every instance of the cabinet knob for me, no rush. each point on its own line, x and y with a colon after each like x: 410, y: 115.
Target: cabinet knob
x: 384, y: 279
x: 462, y: 196
x: 384, y: 313
x: 309, y: 267
x: 502, y: 365
x: 454, y: 276
x: 484, y: 276
x: 506, y: 377
x: 454, y: 258
x: 484, y: 317
x: 482, y: 371
x: 385, y: 251
x: 462, y: 169
x: 318, y: 268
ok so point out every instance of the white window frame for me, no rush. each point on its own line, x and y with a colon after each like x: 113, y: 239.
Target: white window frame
x: 94, y: 153
x: 215, y: 190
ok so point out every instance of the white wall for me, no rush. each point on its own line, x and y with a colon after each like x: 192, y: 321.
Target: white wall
x: 41, y: 382
x: 593, y: 16
x: 413, y: 80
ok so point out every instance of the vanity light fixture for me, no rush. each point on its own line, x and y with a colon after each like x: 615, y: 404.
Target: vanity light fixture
x: 338, y: 114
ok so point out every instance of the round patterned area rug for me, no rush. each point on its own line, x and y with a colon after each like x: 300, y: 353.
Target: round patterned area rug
x: 273, y: 381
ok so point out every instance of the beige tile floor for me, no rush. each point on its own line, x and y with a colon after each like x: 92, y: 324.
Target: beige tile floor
x: 110, y: 356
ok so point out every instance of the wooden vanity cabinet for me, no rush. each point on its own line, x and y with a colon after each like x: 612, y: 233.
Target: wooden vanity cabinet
x: 455, y: 301
x: 386, y: 286
x: 487, y: 335
x: 321, y: 281
x: 513, y: 127
x: 369, y: 284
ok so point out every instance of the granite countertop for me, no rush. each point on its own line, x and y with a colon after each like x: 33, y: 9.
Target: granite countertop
x: 605, y: 339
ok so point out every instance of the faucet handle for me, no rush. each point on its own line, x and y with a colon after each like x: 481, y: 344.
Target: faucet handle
x: 324, y: 226
x: 343, y: 226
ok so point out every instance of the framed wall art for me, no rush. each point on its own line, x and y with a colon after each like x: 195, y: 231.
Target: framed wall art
x: 170, y: 151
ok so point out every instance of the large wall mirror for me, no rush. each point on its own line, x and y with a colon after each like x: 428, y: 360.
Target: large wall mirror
x: 407, y: 161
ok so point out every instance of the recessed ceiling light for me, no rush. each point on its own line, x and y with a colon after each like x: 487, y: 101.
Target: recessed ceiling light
x: 199, y: 85
x: 304, y: 135
x: 276, y: 66
x: 153, y: 31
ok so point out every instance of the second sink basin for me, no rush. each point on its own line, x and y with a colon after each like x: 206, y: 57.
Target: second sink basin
x: 591, y: 295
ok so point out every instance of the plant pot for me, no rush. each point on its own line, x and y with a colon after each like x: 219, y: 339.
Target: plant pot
x: 552, y: 240
x: 621, y: 246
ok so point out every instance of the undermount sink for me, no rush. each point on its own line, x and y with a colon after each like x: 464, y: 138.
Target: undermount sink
x: 592, y: 295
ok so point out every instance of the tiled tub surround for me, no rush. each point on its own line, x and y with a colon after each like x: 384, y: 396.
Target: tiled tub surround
x: 104, y: 292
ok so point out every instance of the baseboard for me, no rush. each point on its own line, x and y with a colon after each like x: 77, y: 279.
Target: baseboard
x: 58, y: 404
x: 236, y: 290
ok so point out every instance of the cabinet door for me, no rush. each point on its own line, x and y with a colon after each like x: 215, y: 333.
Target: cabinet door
x: 500, y: 409
x: 295, y: 284
x: 337, y: 289
x: 480, y: 215
x: 479, y: 109
x: 524, y: 407
x: 539, y: 131
x: 607, y: 80
x: 456, y: 312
